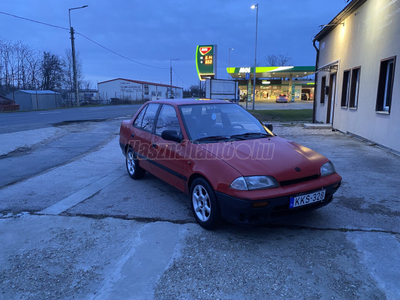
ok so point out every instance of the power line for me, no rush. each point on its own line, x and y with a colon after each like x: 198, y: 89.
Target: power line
x: 180, y: 78
x: 26, y: 19
x: 104, y: 47
x: 112, y: 51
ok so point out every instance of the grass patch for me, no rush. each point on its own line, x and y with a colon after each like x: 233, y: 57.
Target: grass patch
x: 283, y: 115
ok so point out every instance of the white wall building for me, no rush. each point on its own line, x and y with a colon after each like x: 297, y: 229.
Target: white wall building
x: 135, y: 90
x: 357, y: 88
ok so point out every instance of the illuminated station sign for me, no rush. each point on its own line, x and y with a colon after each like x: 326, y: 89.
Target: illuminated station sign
x: 205, y: 61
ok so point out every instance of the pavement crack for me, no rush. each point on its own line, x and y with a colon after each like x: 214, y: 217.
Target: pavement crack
x: 17, y: 152
x: 127, y: 217
x: 341, y: 229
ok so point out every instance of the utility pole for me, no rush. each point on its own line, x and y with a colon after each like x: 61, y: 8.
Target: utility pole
x: 76, y: 87
x: 170, y: 73
x: 229, y: 62
x: 255, y: 58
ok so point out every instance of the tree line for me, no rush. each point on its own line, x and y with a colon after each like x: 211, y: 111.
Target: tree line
x: 22, y: 67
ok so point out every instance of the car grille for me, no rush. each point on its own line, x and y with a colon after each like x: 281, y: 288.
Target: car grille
x: 299, y: 180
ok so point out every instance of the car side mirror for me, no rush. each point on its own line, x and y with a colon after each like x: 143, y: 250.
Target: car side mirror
x: 269, y: 126
x: 171, y: 135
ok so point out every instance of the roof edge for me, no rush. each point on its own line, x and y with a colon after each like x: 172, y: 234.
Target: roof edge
x: 141, y: 82
x: 340, y: 17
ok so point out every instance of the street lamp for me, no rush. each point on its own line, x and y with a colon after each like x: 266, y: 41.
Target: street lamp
x: 73, y: 54
x: 255, y: 58
x: 170, y: 72
x: 229, y: 62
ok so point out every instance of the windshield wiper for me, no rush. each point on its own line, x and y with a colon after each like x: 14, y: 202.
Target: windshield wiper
x: 212, y: 138
x: 247, y: 135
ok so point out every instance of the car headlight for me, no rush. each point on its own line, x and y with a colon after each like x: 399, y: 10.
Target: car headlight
x: 254, y: 183
x: 327, y: 169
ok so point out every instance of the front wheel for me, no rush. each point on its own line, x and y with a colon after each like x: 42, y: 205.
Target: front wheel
x: 204, y: 204
x: 132, y: 165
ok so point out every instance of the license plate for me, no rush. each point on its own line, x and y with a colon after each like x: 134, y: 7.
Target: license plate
x: 307, y: 199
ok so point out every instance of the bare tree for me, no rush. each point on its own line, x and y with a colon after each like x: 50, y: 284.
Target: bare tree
x: 22, y: 67
x: 86, y: 85
x: 272, y: 60
x: 69, y: 74
x: 279, y: 60
x: 52, y: 71
x: 6, y: 62
x: 18, y: 66
x: 33, y: 82
x: 24, y: 56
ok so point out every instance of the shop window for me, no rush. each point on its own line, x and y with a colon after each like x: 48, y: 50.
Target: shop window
x: 385, y: 85
x: 345, y: 88
x: 323, y: 88
x: 355, y: 84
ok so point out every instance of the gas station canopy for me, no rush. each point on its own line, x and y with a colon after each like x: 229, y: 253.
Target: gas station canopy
x: 271, y: 72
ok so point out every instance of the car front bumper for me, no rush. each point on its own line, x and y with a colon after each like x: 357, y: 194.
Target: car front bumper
x: 241, y: 211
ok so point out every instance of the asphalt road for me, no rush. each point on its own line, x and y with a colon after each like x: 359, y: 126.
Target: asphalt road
x: 20, y: 121
x: 70, y: 143
x: 78, y: 136
x: 85, y: 230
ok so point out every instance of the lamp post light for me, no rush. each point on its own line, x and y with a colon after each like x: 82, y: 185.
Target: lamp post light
x: 170, y: 72
x: 76, y: 87
x: 229, y: 62
x: 255, y: 58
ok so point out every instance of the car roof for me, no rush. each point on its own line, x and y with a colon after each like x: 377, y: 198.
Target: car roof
x: 189, y: 101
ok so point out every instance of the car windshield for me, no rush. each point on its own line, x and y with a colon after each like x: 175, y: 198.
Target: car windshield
x: 221, y: 122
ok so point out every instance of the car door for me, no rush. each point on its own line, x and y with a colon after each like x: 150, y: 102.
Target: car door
x: 168, y: 156
x: 142, y: 133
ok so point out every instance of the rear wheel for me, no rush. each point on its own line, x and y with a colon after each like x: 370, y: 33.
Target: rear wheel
x: 204, y: 204
x: 132, y: 165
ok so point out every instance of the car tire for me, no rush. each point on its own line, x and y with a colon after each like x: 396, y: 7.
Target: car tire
x: 132, y: 165
x: 205, y: 206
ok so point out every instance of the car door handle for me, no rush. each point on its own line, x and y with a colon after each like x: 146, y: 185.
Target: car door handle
x: 154, y: 145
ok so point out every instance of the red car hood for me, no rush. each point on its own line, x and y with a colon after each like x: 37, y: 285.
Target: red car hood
x: 277, y: 157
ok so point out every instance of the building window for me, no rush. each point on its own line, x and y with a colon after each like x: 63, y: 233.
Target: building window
x: 323, y: 88
x: 345, y: 88
x: 146, y: 89
x: 354, y: 88
x: 385, y: 85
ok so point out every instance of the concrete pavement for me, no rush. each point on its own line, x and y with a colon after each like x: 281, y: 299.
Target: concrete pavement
x: 126, y: 239
x: 23, y: 140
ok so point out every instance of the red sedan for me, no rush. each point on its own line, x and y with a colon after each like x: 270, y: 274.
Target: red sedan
x: 232, y: 165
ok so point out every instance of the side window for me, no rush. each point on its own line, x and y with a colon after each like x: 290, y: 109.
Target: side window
x: 167, y: 120
x: 345, y: 88
x: 149, y: 116
x: 355, y: 84
x: 139, y: 119
x: 145, y: 120
x: 385, y: 85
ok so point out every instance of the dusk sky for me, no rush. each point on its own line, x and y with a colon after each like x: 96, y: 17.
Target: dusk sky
x: 153, y: 32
